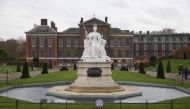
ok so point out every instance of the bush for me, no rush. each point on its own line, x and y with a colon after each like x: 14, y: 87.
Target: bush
x: 36, y: 61
x: 45, y: 68
x: 168, y: 67
x: 141, y: 68
x: 75, y: 66
x: 123, y: 68
x: 50, y: 64
x: 112, y: 66
x: 160, y: 71
x: 25, y: 71
x: 64, y: 68
x: 153, y: 61
x: 18, y: 69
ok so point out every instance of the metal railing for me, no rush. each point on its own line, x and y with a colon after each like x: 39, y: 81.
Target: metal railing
x: 18, y: 104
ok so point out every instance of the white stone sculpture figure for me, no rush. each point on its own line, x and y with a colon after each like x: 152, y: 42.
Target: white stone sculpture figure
x: 94, y: 46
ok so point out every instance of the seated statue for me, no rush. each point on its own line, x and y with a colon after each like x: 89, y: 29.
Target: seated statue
x: 94, y: 46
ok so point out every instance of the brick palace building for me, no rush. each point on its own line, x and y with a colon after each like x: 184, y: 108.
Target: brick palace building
x: 66, y: 47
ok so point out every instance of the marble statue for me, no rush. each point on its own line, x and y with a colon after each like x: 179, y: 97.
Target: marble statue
x: 94, y: 46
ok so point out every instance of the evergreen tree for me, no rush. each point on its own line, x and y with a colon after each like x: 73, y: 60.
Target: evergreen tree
x: 168, y: 67
x: 153, y: 61
x: 141, y: 68
x: 45, y: 68
x: 184, y: 55
x: 112, y: 67
x: 18, y: 69
x: 160, y: 71
x: 75, y: 66
x: 25, y: 71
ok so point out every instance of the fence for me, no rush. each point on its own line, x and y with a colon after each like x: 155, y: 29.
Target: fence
x: 91, y: 105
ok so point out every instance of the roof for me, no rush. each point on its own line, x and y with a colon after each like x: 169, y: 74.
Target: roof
x: 117, y: 31
x: 42, y: 29
x: 93, y: 21
x: 72, y: 30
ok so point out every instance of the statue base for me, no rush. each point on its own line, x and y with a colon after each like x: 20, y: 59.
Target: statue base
x: 86, y: 86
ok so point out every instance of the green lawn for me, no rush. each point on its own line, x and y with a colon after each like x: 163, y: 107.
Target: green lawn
x: 174, y: 64
x: 117, y: 75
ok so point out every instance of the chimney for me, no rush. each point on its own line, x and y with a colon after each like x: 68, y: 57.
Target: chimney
x: 53, y: 26
x: 106, y: 19
x: 81, y: 20
x: 43, y: 21
x: 140, y: 32
x: 148, y: 32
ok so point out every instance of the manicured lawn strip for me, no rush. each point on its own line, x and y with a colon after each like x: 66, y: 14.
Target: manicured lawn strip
x: 116, y: 75
x: 28, y: 105
x: 174, y: 64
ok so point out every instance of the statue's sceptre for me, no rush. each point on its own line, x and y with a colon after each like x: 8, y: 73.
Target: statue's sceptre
x: 85, y: 31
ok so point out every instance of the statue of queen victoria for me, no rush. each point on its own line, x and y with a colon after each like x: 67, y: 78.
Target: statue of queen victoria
x: 94, y: 46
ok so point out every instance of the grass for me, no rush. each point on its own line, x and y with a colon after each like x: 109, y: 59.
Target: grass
x: 174, y: 64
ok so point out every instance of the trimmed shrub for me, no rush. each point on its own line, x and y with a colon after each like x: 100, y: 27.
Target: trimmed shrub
x: 141, y: 68
x: 124, y: 68
x: 45, y: 68
x: 160, y: 71
x: 18, y: 68
x: 112, y: 66
x: 25, y: 71
x: 64, y: 68
x: 153, y: 61
x: 168, y: 67
x: 36, y: 61
x: 75, y: 66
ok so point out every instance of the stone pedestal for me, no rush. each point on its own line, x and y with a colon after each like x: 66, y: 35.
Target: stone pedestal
x: 94, y: 87
x: 104, y: 83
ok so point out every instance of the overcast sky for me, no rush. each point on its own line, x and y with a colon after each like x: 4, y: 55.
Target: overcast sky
x: 18, y: 16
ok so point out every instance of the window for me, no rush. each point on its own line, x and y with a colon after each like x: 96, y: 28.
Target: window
x: 155, y: 39
x: 167, y: 39
x: 163, y: 54
x: 170, y: 46
x: 155, y: 46
x: 185, y: 39
x: 135, y: 39
x: 163, y: 47
x: 137, y: 53
x: 49, y: 42
x: 127, y: 42
x: 68, y: 42
x: 33, y: 53
x: 127, y: 53
x: 177, y: 46
x: 145, y: 53
x: 119, y: 42
x: 50, y: 53
x: 111, y: 43
x: 61, y: 42
x: 76, y: 42
x: 155, y: 53
x: 145, y: 39
x: 42, y: 40
x: 111, y: 53
x: 163, y: 39
x: 33, y: 42
x: 173, y: 38
x: 145, y: 46
x: 170, y: 39
x: 41, y: 53
x: 177, y: 39
x: 137, y: 46
x: 119, y: 53
x: 60, y: 53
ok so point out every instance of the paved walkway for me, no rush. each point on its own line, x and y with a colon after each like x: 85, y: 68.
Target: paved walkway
x: 167, y: 75
x: 16, y: 75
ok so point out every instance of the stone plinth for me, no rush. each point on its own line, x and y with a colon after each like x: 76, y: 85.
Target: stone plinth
x: 103, y: 86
